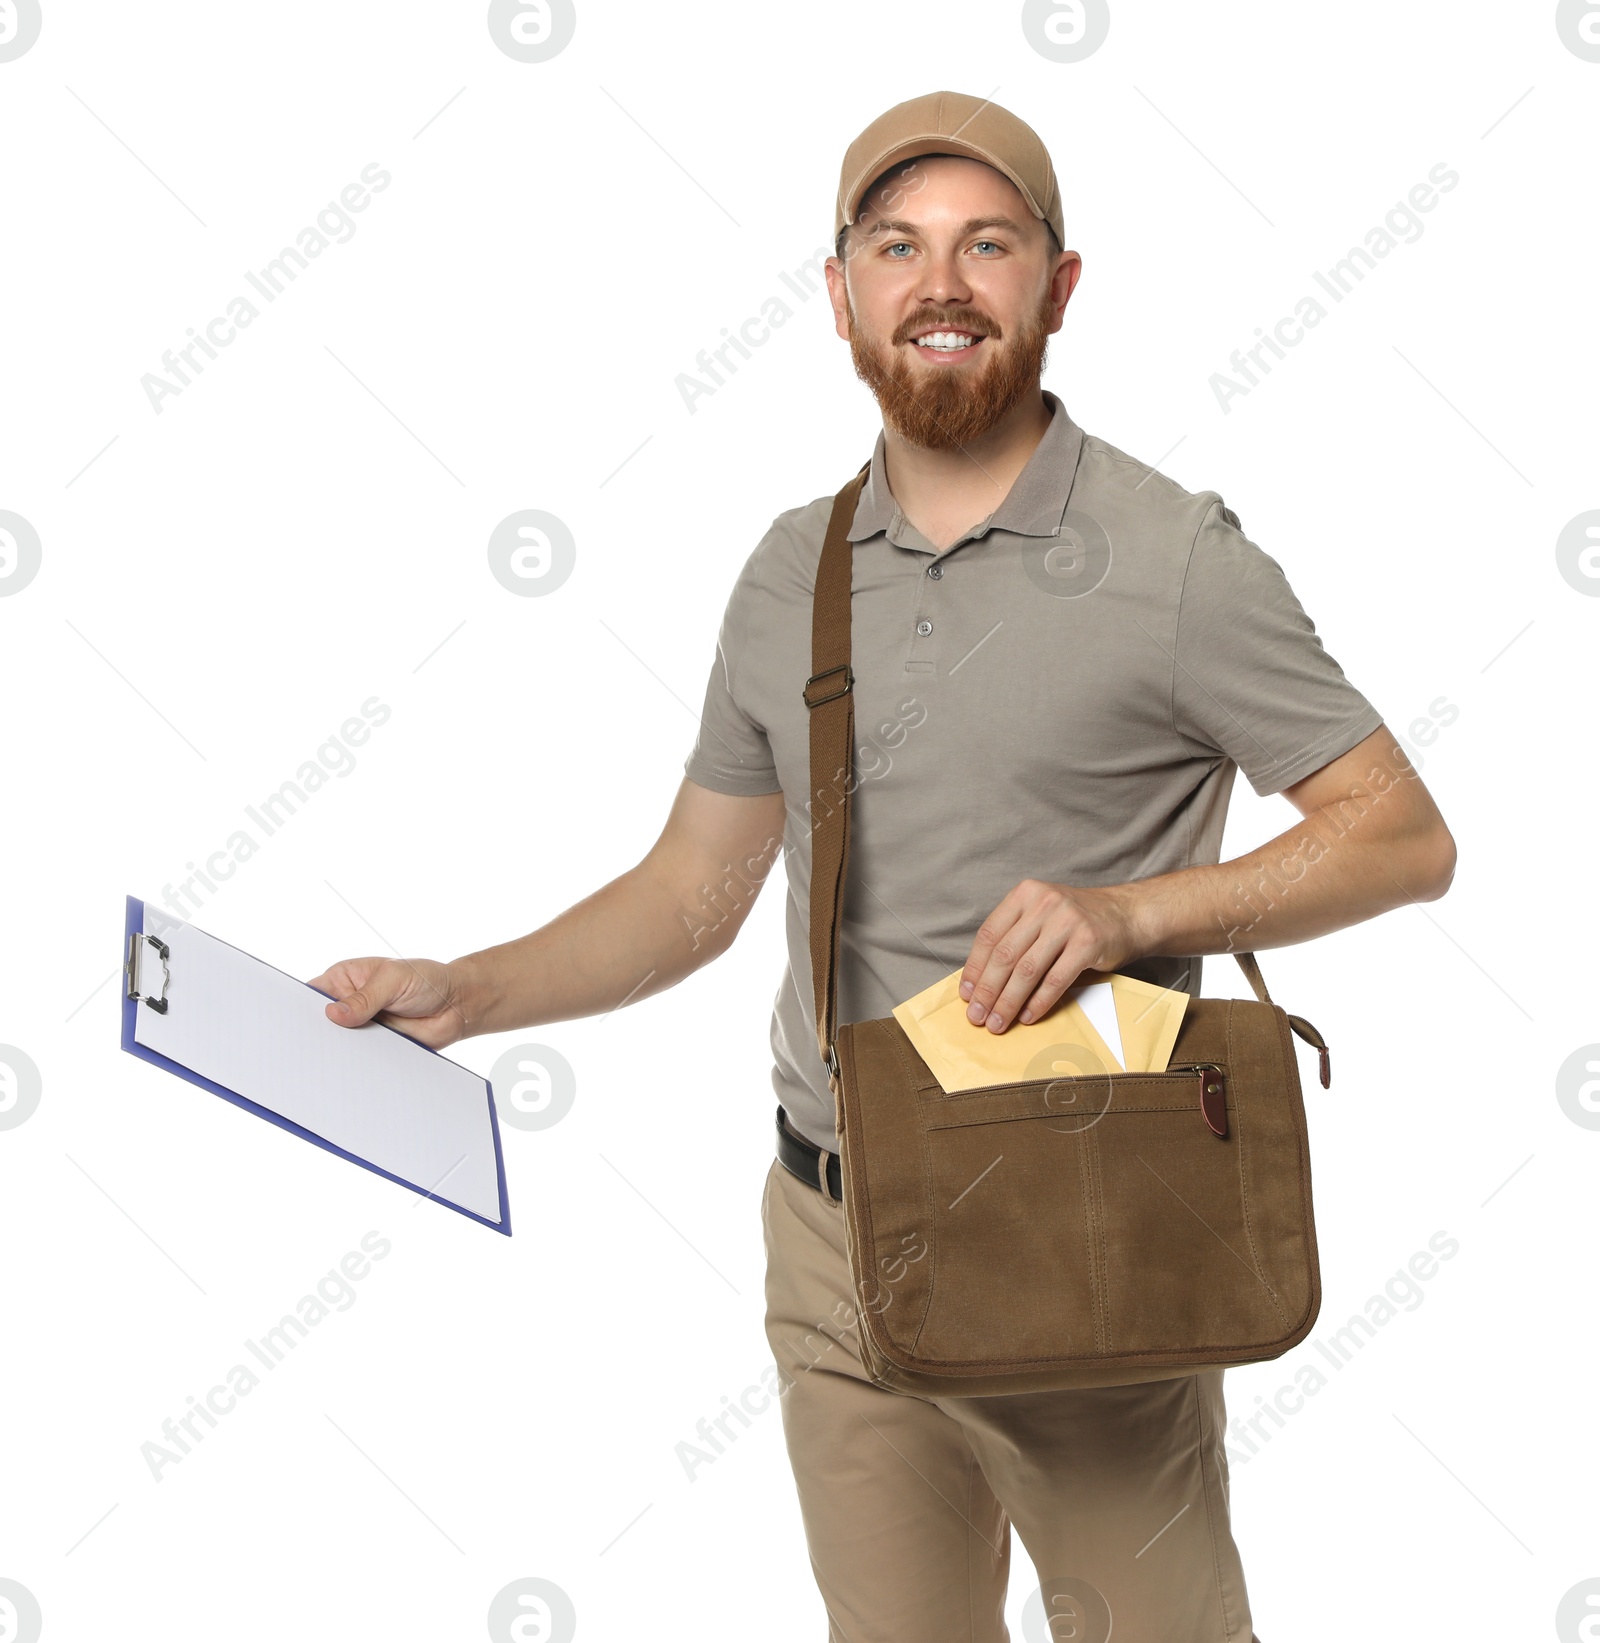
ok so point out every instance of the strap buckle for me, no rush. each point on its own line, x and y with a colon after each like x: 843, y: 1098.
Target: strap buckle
x: 828, y: 673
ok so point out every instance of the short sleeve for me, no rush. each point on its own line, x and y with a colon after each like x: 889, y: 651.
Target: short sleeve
x: 1251, y: 679
x: 731, y: 754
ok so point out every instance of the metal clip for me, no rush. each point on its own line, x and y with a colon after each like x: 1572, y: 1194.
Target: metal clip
x: 138, y: 942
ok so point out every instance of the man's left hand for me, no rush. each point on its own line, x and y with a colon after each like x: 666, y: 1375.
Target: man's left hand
x: 1037, y: 942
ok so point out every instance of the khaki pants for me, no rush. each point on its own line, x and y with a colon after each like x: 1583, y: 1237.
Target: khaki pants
x: 1120, y: 1494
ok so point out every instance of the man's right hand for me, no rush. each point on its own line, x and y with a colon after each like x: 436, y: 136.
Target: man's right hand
x: 416, y: 996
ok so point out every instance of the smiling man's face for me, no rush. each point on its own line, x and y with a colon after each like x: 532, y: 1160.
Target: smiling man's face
x: 949, y: 294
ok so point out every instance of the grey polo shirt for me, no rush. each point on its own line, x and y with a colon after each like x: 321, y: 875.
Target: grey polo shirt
x: 1063, y: 693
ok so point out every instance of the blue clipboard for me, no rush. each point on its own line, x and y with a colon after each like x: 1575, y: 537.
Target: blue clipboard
x: 140, y: 952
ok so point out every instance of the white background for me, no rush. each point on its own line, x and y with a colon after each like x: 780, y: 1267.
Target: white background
x: 304, y: 528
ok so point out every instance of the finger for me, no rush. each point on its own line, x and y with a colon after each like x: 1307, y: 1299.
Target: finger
x: 354, y: 1005
x: 1008, y: 952
x: 991, y: 931
x: 1057, y: 979
x: 333, y: 980
x: 353, y: 1010
x: 343, y: 978
x: 1026, y: 975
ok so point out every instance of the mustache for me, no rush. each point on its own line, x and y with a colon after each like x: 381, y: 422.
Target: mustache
x: 974, y: 323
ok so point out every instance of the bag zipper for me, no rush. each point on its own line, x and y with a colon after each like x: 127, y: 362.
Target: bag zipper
x: 1212, y: 1081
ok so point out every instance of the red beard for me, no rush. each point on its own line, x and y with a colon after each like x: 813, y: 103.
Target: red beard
x: 942, y: 407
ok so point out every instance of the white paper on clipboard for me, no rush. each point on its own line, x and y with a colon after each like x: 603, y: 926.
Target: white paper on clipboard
x: 384, y: 1098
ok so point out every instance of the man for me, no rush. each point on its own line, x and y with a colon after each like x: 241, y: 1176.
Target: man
x: 1061, y: 659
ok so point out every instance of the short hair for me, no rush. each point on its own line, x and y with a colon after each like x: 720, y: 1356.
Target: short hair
x: 878, y: 181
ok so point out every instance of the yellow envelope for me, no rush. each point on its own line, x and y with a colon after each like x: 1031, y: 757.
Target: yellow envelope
x: 1062, y: 1044
x: 1149, y: 1017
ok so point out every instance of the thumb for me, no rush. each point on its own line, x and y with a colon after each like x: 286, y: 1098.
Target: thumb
x: 353, y: 1009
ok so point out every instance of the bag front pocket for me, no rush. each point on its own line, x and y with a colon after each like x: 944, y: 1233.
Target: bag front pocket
x: 1106, y: 1233
x: 1018, y: 1272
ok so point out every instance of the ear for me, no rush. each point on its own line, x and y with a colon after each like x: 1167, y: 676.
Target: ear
x: 833, y: 271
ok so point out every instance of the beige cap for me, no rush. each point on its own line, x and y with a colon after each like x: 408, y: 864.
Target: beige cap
x: 950, y: 122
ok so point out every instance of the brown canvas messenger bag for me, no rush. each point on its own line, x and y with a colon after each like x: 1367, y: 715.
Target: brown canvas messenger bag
x: 1074, y: 1231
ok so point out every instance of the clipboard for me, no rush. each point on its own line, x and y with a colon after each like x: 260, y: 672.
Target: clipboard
x: 219, y: 1018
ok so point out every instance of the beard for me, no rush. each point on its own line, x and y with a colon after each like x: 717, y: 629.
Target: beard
x: 940, y: 407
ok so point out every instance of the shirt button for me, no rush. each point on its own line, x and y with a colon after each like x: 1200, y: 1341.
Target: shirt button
x: 924, y: 628
x: 936, y: 571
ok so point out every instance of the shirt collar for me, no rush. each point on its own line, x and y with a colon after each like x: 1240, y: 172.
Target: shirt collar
x: 1034, y: 505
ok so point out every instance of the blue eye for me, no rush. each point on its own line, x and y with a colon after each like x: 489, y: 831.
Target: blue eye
x: 897, y: 244
x: 989, y: 242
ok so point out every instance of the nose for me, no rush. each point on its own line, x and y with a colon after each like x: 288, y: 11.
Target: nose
x: 942, y: 279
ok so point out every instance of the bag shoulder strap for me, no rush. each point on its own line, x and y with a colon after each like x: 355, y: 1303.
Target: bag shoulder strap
x: 829, y: 698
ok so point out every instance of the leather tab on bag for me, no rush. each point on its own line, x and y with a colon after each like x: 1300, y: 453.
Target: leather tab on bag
x: 1214, y: 1098
x: 1305, y: 1030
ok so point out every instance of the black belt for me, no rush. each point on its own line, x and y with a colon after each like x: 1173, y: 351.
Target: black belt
x: 799, y: 1157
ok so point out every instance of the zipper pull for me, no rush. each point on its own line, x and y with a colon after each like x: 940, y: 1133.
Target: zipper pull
x: 1213, y: 1092
x: 1214, y: 1097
